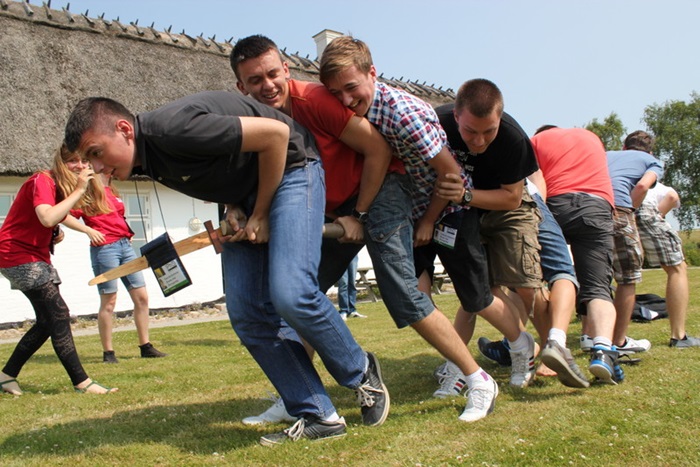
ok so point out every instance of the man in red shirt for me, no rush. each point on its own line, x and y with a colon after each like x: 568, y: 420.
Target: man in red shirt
x: 574, y: 180
x: 382, y: 203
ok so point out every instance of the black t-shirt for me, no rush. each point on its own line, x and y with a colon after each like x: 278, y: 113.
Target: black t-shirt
x: 507, y: 160
x: 193, y: 145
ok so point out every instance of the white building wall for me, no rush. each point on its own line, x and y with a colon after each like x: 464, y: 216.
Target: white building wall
x: 72, y: 259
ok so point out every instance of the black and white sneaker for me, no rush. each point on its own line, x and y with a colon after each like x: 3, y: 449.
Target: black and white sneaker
x: 312, y: 429
x: 372, y: 395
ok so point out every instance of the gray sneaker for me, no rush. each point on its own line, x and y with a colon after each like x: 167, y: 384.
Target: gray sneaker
x: 559, y: 359
x: 441, y: 371
x: 523, y: 364
x: 452, y: 381
x: 372, y: 395
x: 685, y: 343
x: 307, y: 429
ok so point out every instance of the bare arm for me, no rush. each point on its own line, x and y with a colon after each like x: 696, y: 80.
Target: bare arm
x: 639, y: 191
x: 538, y: 180
x: 95, y: 236
x: 506, y: 198
x: 50, y: 216
x: 270, y: 139
x: 443, y: 164
x: 362, y: 137
x: 668, y: 202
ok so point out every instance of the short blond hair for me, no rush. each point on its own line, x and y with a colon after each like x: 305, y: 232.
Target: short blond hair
x: 342, y: 53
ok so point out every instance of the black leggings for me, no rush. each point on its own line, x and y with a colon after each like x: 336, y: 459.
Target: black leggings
x: 52, y: 320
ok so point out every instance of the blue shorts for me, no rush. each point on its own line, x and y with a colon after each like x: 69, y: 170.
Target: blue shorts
x: 554, y: 256
x: 106, y: 257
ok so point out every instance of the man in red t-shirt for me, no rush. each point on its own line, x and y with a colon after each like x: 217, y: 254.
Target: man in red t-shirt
x: 574, y: 181
x: 356, y: 159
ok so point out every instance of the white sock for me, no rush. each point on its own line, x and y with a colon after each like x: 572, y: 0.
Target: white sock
x: 603, y: 341
x: 558, y: 336
x: 478, y: 378
x: 519, y: 344
x: 334, y: 417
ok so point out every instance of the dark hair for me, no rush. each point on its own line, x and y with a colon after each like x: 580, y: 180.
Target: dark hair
x: 250, y: 47
x: 639, y: 140
x: 544, y: 128
x: 96, y: 114
x: 480, y: 97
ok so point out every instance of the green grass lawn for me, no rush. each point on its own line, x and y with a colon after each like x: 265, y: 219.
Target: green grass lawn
x: 186, y: 409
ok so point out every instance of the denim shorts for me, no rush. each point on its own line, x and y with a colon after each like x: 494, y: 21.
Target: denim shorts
x: 554, y: 256
x: 106, y: 257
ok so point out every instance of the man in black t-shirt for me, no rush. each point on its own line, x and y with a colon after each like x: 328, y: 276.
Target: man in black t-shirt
x: 229, y: 149
x: 497, y: 152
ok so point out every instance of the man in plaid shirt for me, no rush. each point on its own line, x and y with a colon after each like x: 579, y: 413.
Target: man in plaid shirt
x: 413, y: 130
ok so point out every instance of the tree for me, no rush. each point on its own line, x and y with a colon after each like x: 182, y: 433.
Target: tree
x: 676, y: 126
x: 610, y: 132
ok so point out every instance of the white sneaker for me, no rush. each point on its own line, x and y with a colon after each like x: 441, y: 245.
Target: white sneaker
x: 355, y: 314
x: 344, y: 316
x: 481, y: 401
x: 451, y: 381
x: 586, y: 343
x: 275, y: 414
x: 440, y: 371
x: 634, y: 346
x: 523, y: 364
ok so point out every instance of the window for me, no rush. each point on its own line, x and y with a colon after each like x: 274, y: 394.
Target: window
x: 6, y: 200
x: 137, y: 211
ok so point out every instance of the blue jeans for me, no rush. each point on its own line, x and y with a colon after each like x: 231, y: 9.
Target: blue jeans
x: 273, y: 297
x: 554, y: 255
x: 347, y: 293
x: 389, y: 236
x: 106, y: 257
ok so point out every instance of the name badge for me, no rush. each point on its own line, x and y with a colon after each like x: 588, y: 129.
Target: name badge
x: 445, y: 235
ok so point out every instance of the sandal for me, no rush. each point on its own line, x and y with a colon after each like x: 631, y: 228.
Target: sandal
x: 17, y: 392
x: 84, y: 390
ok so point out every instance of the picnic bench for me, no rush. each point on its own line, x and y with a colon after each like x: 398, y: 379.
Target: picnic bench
x: 366, y: 281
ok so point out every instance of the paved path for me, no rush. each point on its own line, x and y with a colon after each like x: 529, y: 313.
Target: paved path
x: 182, y: 320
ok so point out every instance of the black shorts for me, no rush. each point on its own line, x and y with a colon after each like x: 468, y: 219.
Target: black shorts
x: 587, y: 224
x: 466, y: 263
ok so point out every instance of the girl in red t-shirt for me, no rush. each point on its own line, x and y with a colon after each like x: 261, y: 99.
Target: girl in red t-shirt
x: 26, y: 240
x: 110, y: 246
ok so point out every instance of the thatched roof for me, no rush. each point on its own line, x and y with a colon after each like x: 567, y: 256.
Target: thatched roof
x: 50, y: 59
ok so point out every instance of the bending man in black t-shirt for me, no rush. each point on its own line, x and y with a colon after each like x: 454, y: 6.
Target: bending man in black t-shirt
x: 216, y: 147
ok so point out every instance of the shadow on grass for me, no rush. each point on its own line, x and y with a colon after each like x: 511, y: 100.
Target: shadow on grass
x: 190, y: 428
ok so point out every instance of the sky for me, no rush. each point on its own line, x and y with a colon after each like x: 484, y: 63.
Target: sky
x: 561, y: 62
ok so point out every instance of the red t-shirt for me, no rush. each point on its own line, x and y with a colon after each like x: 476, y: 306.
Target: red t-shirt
x: 573, y: 160
x: 23, y: 239
x: 315, y: 108
x: 112, y: 225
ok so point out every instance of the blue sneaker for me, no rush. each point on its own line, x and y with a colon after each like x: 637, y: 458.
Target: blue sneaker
x: 604, y: 365
x: 497, y: 351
